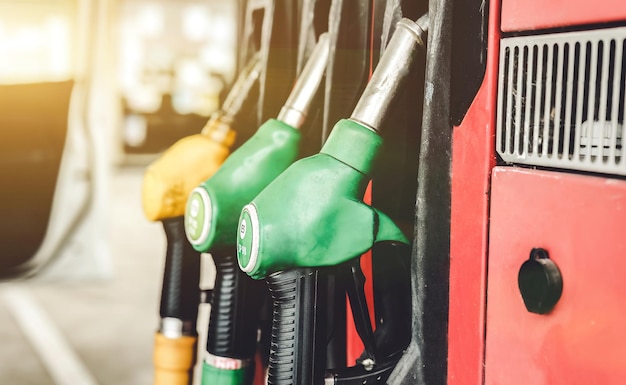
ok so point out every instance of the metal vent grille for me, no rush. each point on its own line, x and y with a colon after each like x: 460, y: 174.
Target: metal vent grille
x: 561, y: 100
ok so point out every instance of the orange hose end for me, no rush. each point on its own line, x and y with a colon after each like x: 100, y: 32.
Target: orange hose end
x: 174, y: 359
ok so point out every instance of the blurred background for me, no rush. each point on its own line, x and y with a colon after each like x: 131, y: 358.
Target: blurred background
x: 91, y: 91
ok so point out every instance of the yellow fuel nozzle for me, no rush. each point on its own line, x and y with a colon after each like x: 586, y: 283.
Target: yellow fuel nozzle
x: 193, y: 159
x: 169, y: 180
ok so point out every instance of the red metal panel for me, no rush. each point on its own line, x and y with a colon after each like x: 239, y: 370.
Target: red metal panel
x: 472, y: 160
x: 525, y: 15
x: 580, y: 221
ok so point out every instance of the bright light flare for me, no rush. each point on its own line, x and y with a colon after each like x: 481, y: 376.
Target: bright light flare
x: 36, y: 48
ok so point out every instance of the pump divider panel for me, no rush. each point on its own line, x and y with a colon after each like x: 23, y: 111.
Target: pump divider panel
x: 424, y: 362
x: 280, y: 56
x: 394, y: 186
x: 347, y: 73
x: 348, y: 64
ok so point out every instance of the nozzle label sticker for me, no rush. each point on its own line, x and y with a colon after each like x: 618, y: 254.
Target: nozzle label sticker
x: 195, y: 208
x: 198, y: 216
x: 242, y: 228
x: 226, y: 363
x: 248, y: 240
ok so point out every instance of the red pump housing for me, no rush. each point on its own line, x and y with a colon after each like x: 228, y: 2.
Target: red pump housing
x: 501, y: 210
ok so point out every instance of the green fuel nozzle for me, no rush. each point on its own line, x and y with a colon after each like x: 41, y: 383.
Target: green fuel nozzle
x: 313, y: 215
x: 214, y: 206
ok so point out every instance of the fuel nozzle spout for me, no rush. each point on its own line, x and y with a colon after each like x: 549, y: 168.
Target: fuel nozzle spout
x: 240, y: 91
x: 297, y: 106
x: 219, y: 126
x: 389, y: 76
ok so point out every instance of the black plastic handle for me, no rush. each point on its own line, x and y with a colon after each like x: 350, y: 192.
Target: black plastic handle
x: 235, y: 310
x: 355, y: 287
x: 180, y: 294
x: 298, y: 325
x: 298, y: 339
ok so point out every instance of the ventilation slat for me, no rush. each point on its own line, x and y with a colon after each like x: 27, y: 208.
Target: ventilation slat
x: 622, y: 104
x: 569, y: 100
x: 538, y: 100
x: 529, y: 100
x: 561, y: 100
x: 547, y: 106
x: 501, y: 100
x: 605, y: 131
x: 518, y: 101
x: 615, y: 101
x: 580, y: 92
x: 509, y: 106
x: 587, y: 135
x: 556, y: 145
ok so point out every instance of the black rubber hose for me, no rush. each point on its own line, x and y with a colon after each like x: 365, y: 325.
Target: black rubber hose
x: 297, y: 348
x: 235, y: 310
x: 180, y: 294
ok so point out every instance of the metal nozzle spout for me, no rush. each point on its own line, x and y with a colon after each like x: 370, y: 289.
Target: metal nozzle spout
x: 219, y: 125
x: 241, y: 89
x: 394, y: 67
x: 296, y: 108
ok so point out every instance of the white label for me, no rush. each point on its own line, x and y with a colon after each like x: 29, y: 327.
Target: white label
x: 242, y: 229
x: 195, y: 208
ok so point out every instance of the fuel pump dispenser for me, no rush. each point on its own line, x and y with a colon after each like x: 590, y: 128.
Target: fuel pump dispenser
x: 537, y: 178
x: 312, y: 217
x: 211, y: 220
x: 165, y: 189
